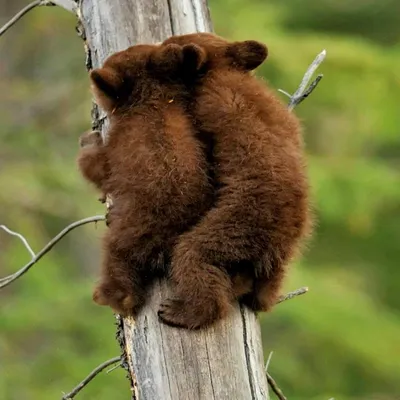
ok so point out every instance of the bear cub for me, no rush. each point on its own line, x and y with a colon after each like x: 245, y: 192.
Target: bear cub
x: 241, y: 247
x: 152, y: 166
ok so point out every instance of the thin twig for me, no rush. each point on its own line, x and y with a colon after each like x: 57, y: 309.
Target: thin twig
x: 95, y: 372
x: 275, y: 388
x: 272, y: 382
x: 302, y: 91
x: 311, y: 87
x: 36, y: 257
x: 19, y: 15
x: 68, y: 5
x: 295, y: 293
x: 114, y: 367
x: 268, y: 360
x: 23, y: 240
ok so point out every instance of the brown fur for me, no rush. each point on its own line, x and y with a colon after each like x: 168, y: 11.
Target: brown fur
x: 152, y: 165
x: 242, y: 246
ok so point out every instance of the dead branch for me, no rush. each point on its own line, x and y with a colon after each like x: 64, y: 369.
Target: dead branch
x: 303, y: 91
x: 68, y: 5
x: 271, y: 381
x: 36, y: 257
x: 295, y: 293
x: 95, y: 372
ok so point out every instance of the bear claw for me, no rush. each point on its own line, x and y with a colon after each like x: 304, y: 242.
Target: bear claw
x: 172, y: 313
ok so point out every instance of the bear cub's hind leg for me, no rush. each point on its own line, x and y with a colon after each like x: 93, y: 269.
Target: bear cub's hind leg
x: 121, y: 286
x: 202, y: 293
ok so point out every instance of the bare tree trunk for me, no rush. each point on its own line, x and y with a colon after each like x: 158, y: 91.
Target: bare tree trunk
x: 223, y: 362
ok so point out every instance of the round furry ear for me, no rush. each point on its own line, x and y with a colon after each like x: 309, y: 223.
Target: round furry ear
x: 106, y: 86
x: 247, y: 55
x: 166, y: 58
x: 194, y: 57
x: 106, y: 81
x: 178, y: 61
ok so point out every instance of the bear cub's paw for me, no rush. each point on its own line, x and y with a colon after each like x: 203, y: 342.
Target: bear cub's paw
x: 179, y: 314
x: 91, y: 138
x: 118, y: 298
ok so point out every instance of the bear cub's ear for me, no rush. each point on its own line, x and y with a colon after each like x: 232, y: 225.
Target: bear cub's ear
x: 178, y: 61
x: 194, y: 57
x: 247, y: 55
x: 106, y: 85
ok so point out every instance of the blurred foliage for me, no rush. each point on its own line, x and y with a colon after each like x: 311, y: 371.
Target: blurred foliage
x: 340, y: 340
x: 368, y: 19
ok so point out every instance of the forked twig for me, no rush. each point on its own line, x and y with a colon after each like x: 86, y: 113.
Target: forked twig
x: 302, y: 91
x: 95, y: 372
x: 69, y: 5
x: 36, y: 257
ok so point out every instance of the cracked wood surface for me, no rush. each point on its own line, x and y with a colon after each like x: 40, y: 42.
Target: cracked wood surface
x: 222, y: 362
x: 225, y: 361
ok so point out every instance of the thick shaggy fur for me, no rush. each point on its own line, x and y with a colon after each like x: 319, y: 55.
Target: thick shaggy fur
x: 242, y: 246
x: 152, y: 165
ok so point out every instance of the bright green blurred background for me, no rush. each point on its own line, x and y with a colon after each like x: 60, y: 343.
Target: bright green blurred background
x: 342, y: 339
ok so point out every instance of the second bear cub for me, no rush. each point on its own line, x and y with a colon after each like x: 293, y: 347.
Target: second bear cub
x: 241, y: 248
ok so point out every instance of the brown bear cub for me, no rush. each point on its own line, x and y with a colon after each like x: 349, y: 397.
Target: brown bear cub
x: 152, y: 165
x: 241, y: 247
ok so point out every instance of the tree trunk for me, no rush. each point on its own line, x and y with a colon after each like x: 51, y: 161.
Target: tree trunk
x: 225, y: 361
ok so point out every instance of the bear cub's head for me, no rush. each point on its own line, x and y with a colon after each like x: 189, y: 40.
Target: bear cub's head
x: 244, y: 56
x: 144, y: 73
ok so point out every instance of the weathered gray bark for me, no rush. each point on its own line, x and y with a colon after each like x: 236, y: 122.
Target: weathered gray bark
x: 226, y: 361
